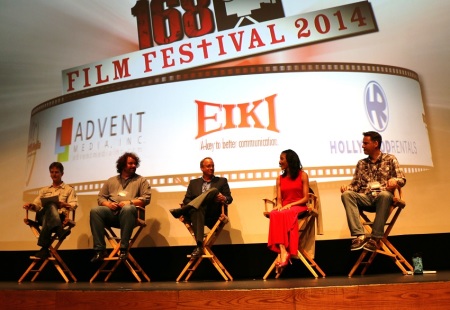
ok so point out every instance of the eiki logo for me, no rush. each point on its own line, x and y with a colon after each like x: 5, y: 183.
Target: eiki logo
x: 258, y: 114
x: 63, y: 139
x: 376, y: 105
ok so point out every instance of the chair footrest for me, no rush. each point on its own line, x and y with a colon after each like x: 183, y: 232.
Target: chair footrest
x: 386, y: 253
x: 203, y: 256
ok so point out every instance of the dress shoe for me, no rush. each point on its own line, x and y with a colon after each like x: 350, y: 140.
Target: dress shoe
x: 63, y: 234
x: 283, y: 263
x: 43, y: 253
x: 99, y: 256
x: 358, y: 243
x: 177, y: 213
x: 372, y: 245
x: 198, y: 251
x: 123, y: 254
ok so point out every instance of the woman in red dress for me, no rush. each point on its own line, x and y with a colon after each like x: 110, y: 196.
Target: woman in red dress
x: 292, y: 196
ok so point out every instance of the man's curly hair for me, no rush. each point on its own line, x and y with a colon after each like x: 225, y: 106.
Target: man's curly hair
x: 122, y: 161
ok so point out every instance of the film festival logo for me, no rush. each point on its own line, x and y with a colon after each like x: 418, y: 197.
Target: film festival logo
x: 163, y: 23
x: 185, y: 34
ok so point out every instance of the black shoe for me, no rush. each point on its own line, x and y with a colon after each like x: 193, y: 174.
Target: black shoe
x: 99, y: 256
x: 123, y: 254
x: 198, y: 251
x: 43, y: 253
x: 63, y: 234
x: 177, y: 213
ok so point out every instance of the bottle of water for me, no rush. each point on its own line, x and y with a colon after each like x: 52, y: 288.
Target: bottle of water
x: 417, y: 263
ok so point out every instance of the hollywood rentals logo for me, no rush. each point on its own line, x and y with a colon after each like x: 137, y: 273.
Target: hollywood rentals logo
x: 376, y: 105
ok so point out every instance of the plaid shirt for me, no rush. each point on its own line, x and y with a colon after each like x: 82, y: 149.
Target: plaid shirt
x: 386, y: 167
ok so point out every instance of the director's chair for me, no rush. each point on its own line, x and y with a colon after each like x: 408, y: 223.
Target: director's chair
x: 386, y: 247
x: 305, y: 221
x: 38, y: 265
x: 208, y: 242
x: 112, y: 261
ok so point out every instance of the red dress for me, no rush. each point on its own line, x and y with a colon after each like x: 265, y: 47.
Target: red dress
x: 283, y: 224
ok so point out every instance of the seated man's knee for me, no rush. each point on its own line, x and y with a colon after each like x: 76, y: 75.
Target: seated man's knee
x: 98, y: 213
x: 131, y: 209
x: 346, y: 195
x: 386, y: 196
x: 95, y: 210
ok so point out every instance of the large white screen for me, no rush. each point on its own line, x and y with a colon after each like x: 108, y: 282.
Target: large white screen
x: 35, y: 52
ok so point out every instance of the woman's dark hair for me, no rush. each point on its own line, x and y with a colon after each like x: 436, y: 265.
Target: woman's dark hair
x: 122, y: 161
x: 294, y: 164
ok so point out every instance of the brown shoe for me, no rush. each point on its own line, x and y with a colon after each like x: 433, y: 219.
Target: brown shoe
x: 358, y: 244
x: 372, y: 245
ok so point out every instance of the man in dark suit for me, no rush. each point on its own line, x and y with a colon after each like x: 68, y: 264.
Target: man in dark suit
x: 203, y: 201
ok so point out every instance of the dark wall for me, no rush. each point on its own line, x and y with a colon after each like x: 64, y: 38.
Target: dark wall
x: 248, y: 261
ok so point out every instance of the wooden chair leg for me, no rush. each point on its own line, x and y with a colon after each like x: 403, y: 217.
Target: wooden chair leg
x: 38, y: 265
x: 61, y: 266
x: 358, y: 262
x: 208, y: 242
x: 310, y: 263
x: 114, y: 261
x: 216, y: 262
x: 271, y: 268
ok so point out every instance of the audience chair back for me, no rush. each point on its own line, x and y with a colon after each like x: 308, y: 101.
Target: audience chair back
x: 208, y: 241
x: 112, y: 261
x: 386, y: 247
x: 307, y: 223
x: 37, y: 265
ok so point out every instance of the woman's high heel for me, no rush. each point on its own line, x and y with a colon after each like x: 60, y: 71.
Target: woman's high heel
x: 285, y: 262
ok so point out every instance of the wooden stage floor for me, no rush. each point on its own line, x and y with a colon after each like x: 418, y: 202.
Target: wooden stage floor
x: 386, y: 291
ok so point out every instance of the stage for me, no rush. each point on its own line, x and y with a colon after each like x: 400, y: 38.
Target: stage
x: 380, y: 291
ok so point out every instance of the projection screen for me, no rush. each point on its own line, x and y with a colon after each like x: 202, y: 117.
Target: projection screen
x: 240, y: 81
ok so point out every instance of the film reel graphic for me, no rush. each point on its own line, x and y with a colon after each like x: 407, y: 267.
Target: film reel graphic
x: 315, y: 173
x: 320, y: 174
x: 229, y: 71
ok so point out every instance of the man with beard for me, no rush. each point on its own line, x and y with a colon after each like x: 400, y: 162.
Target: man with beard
x: 117, y: 201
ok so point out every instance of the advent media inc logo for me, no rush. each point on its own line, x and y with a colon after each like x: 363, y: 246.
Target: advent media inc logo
x: 63, y: 139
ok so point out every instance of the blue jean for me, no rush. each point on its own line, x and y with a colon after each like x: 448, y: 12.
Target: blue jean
x: 101, y: 217
x: 379, y: 205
